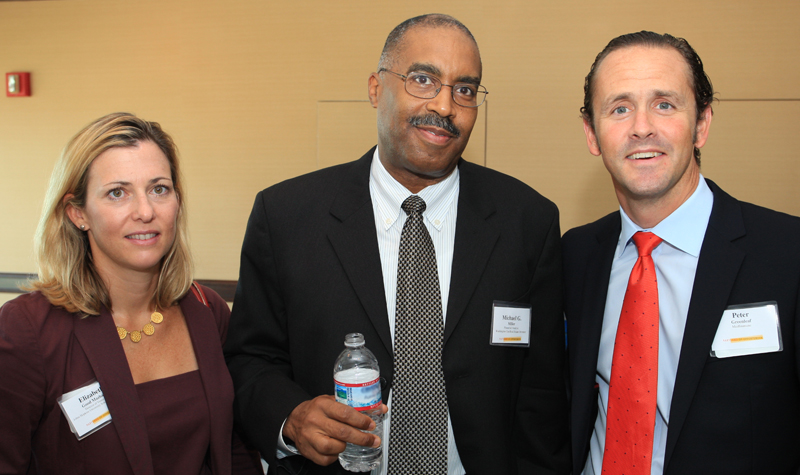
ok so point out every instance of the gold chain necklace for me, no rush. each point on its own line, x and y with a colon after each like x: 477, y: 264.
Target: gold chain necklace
x: 148, y: 329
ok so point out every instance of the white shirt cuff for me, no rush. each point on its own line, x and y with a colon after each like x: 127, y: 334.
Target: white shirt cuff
x: 285, y: 450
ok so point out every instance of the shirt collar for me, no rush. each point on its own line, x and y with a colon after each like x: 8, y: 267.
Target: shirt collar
x: 684, y: 229
x: 388, y: 194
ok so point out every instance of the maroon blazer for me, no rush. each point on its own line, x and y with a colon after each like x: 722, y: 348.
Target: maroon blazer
x: 46, y: 351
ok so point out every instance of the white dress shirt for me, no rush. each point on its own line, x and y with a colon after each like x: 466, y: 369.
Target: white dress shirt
x: 441, y: 208
x: 675, y: 259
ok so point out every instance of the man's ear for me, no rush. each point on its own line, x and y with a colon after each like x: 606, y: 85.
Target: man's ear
x: 74, y: 213
x: 591, y: 138
x: 374, y: 89
x: 702, y: 127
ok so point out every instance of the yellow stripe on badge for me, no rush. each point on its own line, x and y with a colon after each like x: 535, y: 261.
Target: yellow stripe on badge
x: 512, y: 338
x: 747, y: 338
x: 101, y: 416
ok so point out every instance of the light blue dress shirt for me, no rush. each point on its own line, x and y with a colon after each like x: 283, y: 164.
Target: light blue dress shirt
x: 675, y: 259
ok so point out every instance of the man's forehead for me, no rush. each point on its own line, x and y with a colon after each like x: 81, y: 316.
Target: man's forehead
x: 651, y: 65
x: 439, y: 48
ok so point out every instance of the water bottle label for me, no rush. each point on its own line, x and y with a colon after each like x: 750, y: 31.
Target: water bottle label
x: 360, y: 396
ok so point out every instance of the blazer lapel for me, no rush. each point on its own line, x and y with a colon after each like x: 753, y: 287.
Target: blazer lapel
x: 717, y: 269
x: 584, y: 336
x: 355, y: 242
x: 474, y: 243
x: 100, y: 342
x: 207, y: 345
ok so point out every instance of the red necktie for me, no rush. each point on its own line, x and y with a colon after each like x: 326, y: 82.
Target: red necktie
x: 631, y: 415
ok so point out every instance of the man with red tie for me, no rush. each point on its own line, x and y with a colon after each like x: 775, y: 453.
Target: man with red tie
x: 681, y: 307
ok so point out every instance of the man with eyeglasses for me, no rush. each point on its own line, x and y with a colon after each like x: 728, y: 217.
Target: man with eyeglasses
x: 450, y: 270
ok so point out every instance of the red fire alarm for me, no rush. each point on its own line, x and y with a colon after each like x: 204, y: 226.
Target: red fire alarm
x: 18, y: 84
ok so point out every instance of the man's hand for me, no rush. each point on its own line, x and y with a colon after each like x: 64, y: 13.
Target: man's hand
x: 321, y: 428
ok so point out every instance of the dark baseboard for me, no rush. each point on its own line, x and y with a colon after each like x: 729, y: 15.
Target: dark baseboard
x: 11, y: 283
x: 225, y: 288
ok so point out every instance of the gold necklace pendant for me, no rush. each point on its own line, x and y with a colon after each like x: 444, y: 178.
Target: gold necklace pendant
x: 148, y: 329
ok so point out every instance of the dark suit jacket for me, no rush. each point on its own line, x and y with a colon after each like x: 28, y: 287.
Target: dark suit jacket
x: 311, y: 273
x: 46, y: 352
x: 738, y: 415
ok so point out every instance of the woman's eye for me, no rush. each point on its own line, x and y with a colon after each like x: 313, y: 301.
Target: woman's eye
x: 116, y: 193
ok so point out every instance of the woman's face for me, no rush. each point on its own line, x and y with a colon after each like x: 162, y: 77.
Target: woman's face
x: 131, y: 209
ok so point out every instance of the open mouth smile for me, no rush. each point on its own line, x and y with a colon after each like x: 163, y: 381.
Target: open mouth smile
x: 644, y: 155
x: 141, y: 237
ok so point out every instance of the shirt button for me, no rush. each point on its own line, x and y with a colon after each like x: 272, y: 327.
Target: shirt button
x: 437, y: 222
x: 388, y: 221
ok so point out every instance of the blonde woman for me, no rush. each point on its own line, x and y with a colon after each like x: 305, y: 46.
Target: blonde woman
x: 112, y: 364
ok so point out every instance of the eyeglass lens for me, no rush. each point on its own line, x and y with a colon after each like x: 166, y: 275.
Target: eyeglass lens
x: 426, y: 86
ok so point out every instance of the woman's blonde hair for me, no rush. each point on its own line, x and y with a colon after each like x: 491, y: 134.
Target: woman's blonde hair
x: 67, y: 275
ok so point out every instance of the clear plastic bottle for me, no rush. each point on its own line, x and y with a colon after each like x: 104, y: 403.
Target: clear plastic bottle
x: 356, y: 377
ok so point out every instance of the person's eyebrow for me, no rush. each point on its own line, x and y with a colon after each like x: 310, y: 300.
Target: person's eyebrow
x: 431, y: 69
x: 424, y: 68
x: 671, y: 95
x: 127, y: 183
x: 619, y: 97
x: 469, y: 80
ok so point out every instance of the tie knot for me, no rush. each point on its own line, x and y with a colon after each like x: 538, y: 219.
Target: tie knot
x: 646, y: 242
x: 413, y: 204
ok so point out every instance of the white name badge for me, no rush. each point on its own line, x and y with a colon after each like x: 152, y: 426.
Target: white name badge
x: 511, y: 324
x: 86, y: 410
x: 748, y: 329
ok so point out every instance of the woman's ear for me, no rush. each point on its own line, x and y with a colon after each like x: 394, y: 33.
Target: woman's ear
x: 74, y: 213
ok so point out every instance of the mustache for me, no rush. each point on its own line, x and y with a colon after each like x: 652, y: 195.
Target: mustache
x: 435, y: 121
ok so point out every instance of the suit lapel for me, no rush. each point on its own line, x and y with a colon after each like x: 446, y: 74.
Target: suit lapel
x: 474, y: 242
x: 208, y: 352
x: 585, y: 335
x: 717, y: 269
x: 100, y: 342
x: 355, y: 242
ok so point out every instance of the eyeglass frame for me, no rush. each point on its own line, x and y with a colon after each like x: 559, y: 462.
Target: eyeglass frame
x: 451, y: 86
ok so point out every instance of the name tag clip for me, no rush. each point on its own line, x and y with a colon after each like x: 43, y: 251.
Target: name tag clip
x: 85, y: 409
x: 748, y: 329
x: 511, y: 324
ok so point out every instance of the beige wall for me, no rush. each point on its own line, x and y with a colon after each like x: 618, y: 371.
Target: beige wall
x: 255, y: 92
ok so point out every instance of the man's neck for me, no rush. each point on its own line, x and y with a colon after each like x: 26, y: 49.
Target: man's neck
x: 647, y: 212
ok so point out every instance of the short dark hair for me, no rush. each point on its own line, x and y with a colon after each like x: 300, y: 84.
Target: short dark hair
x: 703, y: 90
x: 430, y: 20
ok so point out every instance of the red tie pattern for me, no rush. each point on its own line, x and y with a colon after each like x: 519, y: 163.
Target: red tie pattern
x: 631, y: 414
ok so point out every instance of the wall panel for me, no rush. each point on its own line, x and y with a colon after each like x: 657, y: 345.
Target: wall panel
x: 249, y: 91
x: 753, y: 154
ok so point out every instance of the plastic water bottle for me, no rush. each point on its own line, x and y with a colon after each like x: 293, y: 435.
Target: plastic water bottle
x: 356, y: 377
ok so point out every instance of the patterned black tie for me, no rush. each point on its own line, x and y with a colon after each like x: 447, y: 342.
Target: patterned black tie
x: 418, y: 434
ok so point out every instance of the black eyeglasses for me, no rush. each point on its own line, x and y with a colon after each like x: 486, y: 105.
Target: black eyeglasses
x: 425, y: 86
